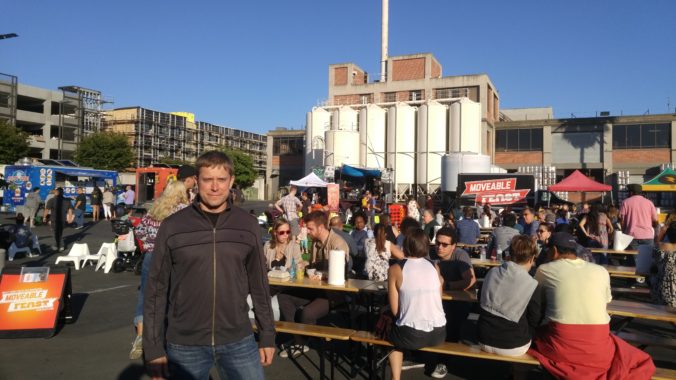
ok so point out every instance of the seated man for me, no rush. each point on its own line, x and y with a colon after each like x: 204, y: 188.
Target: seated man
x: 468, y: 229
x: 23, y: 238
x: 576, y: 341
x: 456, y: 269
x: 313, y: 304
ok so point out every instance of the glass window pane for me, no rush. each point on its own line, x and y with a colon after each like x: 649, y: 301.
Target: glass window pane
x: 648, y: 135
x: 619, y: 136
x: 513, y: 139
x: 633, y: 136
x: 500, y: 141
x: 662, y: 135
x: 524, y: 139
x: 536, y: 139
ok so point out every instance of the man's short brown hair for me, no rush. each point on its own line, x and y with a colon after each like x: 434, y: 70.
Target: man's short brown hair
x: 317, y: 217
x: 212, y: 159
x: 522, y: 249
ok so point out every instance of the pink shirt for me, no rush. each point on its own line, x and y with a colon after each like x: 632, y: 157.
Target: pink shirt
x: 637, y: 215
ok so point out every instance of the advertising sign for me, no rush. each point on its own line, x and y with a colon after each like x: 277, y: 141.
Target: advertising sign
x: 31, y: 300
x: 333, y: 196
x: 496, y: 191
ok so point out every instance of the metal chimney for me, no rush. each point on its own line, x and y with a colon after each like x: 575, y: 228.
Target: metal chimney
x: 383, y: 42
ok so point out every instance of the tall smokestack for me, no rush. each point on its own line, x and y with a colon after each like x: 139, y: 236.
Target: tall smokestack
x: 383, y: 42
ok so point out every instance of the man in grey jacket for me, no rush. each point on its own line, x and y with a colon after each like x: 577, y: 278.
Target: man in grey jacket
x: 207, y: 258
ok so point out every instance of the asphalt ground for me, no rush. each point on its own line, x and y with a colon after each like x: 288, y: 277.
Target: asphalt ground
x: 97, y: 344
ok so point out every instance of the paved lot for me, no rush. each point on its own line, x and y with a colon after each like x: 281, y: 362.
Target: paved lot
x: 97, y: 344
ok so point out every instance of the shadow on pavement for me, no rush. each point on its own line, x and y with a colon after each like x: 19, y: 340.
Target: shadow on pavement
x: 132, y: 372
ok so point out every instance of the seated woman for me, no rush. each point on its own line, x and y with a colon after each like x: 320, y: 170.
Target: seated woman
x: 511, y: 302
x: 663, y: 271
x: 279, y: 251
x: 414, y: 293
x: 378, y: 254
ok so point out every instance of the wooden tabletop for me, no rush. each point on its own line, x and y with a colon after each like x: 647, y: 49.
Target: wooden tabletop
x: 642, y: 310
x: 460, y: 295
x: 614, y: 252
x: 486, y: 263
x: 477, y: 245
x: 350, y: 286
x: 620, y: 271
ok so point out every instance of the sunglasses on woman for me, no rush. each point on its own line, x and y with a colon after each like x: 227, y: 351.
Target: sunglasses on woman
x: 285, y: 232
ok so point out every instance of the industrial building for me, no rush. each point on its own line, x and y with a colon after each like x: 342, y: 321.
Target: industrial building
x: 403, y: 123
x: 609, y: 148
x: 157, y: 136
x: 55, y: 120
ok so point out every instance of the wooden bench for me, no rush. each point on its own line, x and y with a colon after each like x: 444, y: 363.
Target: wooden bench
x: 325, y: 333
x: 445, y: 348
x: 463, y: 350
x: 645, y: 340
x: 664, y: 374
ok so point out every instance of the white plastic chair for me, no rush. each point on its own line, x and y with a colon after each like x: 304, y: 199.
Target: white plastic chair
x: 99, y: 255
x: 107, y: 258
x: 76, y: 254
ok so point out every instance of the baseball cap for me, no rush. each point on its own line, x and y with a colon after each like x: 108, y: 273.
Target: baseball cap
x: 562, y: 240
x: 185, y: 171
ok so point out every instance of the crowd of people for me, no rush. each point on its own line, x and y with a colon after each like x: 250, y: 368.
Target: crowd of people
x: 548, y: 258
x: 548, y: 297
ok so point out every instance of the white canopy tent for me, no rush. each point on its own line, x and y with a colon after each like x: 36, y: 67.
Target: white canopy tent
x: 310, y: 180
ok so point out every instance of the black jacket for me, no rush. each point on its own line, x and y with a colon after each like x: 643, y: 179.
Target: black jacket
x: 199, y: 280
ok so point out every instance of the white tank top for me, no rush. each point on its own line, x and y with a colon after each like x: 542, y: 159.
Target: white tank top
x: 420, y: 297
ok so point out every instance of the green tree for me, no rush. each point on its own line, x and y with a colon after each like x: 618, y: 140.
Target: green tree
x: 245, y: 175
x: 105, y: 150
x: 13, y: 143
x: 175, y: 161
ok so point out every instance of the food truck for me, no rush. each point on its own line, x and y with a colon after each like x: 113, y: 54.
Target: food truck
x: 151, y: 181
x: 22, y: 179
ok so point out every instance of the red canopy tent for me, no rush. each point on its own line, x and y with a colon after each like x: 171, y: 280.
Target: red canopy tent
x: 579, y: 182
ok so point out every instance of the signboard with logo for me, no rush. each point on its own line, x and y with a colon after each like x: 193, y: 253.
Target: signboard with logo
x: 498, y: 190
x: 31, y: 301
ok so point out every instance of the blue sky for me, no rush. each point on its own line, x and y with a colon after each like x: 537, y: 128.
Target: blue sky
x: 257, y: 65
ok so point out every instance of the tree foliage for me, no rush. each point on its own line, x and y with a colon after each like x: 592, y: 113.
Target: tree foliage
x: 175, y: 161
x: 105, y: 150
x: 13, y: 143
x: 245, y: 175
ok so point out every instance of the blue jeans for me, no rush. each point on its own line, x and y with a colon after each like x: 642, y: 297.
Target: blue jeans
x: 238, y: 360
x: 79, y: 217
x: 145, y: 268
x: 644, y: 259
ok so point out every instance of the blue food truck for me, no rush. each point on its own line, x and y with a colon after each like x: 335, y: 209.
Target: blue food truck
x: 22, y: 179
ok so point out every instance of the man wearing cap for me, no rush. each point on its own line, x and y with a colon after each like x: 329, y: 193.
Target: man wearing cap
x: 575, y: 341
x: 639, y: 218
x: 187, y: 174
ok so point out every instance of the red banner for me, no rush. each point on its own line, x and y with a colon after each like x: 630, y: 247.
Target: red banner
x: 502, y: 197
x: 490, y: 186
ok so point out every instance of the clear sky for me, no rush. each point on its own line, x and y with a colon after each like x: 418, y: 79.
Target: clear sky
x: 256, y: 65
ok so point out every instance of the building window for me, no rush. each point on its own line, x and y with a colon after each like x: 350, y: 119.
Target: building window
x: 518, y: 140
x: 637, y: 136
x: 366, y: 98
x: 283, y: 146
x: 389, y: 97
x: 415, y: 95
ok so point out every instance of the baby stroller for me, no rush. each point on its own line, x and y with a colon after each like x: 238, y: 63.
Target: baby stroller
x: 129, y: 252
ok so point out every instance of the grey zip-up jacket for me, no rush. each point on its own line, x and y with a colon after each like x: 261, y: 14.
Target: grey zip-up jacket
x: 199, y: 279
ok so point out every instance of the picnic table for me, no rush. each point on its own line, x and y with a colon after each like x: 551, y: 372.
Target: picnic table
x: 621, y: 271
x: 350, y: 285
x: 614, y: 252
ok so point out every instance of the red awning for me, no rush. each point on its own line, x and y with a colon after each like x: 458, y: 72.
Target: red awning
x: 579, y: 182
